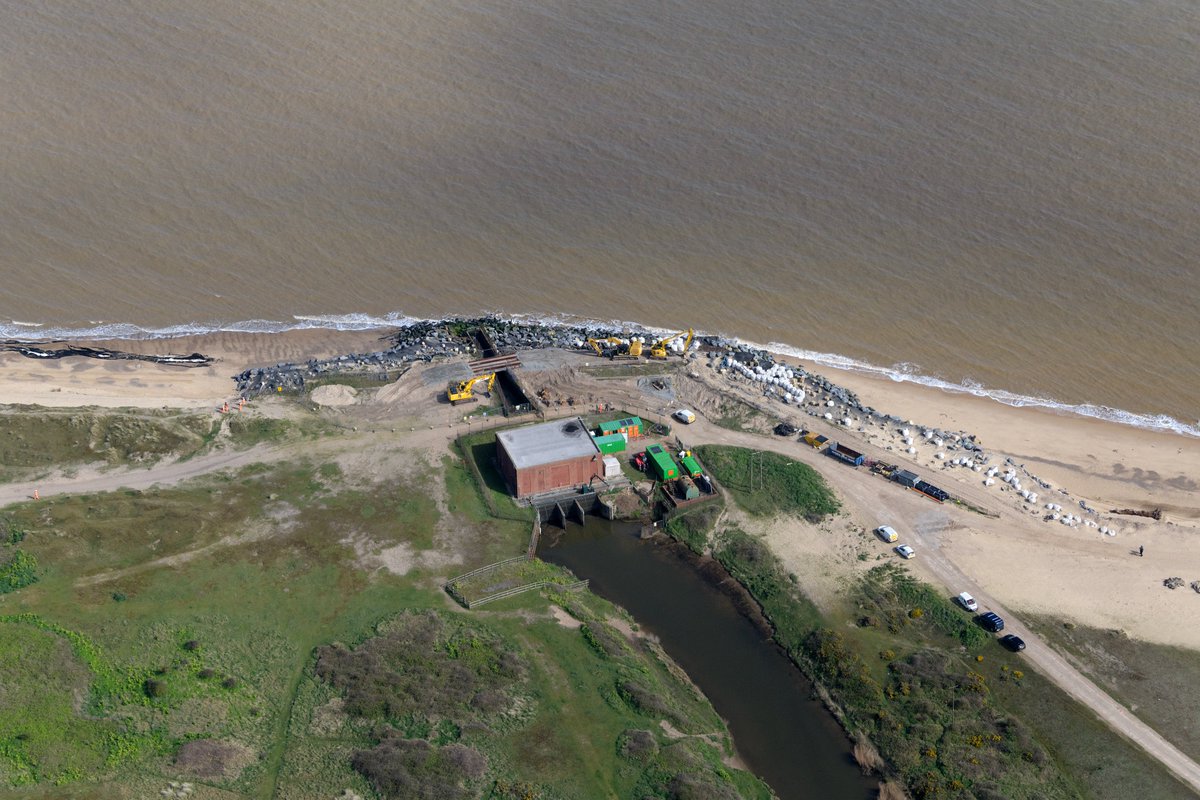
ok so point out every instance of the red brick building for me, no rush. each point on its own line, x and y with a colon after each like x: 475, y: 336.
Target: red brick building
x: 549, y: 456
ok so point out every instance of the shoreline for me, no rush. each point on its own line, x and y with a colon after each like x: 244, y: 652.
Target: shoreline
x: 1103, y: 460
x: 124, y: 336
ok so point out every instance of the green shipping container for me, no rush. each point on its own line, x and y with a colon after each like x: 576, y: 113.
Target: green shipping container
x: 661, y: 463
x: 630, y: 426
x: 613, y: 443
x: 691, y: 466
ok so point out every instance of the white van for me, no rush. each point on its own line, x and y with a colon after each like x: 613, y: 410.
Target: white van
x: 684, y: 416
x: 887, y: 533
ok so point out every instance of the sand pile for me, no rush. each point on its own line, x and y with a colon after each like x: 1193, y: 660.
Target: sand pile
x: 334, y: 395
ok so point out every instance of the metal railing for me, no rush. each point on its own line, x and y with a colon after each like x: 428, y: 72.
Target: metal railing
x: 567, y: 587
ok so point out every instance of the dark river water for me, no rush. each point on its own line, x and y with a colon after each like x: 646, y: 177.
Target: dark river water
x: 783, y: 734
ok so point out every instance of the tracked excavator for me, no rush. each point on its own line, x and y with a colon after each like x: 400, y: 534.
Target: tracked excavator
x: 612, y: 347
x: 464, y: 391
x: 659, y: 348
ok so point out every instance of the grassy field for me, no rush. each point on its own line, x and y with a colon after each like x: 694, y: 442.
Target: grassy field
x: 479, y: 455
x: 175, y: 635
x: 1156, y: 681
x: 34, y: 442
x: 765, y: 483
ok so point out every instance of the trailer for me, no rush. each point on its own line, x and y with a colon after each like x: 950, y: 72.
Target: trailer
x: 843, y: 453
x: 691, y: 467
x: 931, y: 491
x: 905, y: 478
x: 662, y: 466
x: 815, y: 440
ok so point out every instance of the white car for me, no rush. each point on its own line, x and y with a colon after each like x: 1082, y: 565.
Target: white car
x: 684, y: 416
x: 905, y: 551
x: 966, y: 601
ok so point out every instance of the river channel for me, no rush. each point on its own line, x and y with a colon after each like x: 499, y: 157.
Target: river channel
x: 784, y: 735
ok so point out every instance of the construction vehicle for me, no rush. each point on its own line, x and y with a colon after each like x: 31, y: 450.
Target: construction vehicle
x: 612, y: 347
x: 659, y: 348
x: 464, y: 391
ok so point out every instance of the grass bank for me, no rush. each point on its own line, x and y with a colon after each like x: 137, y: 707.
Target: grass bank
x: 765, y: 483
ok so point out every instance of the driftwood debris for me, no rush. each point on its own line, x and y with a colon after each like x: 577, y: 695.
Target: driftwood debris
x: 1156, y: 514
x: 29, y: 351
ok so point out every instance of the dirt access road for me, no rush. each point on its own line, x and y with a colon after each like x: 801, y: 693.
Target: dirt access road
x: 871, y: 499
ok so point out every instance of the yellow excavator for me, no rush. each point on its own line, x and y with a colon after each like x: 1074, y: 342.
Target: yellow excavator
x: 613, y: 347
x: 464, y: 391
x: 659, y: 348
x: 599, y: 344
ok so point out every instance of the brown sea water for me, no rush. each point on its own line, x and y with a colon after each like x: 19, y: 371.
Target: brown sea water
x: 1004, y: 193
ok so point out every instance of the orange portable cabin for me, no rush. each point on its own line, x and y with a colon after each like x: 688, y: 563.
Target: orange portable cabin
x: 630, y: 426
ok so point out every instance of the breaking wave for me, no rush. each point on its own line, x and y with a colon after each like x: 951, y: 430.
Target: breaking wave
x: 901, y: 373
x: 906, y: 373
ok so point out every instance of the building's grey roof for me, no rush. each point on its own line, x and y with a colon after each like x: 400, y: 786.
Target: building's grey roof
x: 547, y: 443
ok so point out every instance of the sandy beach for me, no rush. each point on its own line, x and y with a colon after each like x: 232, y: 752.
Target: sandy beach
x: 71, y: 382
x: 1025, y: 561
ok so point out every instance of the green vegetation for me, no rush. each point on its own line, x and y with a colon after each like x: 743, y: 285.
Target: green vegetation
x: 478, y: 451
x: 1156, y: 681
x: 18, y: 572
x: 754, y: 566
x: 508, y: 575
x: 188, y: 634
x: 34, y: 442
x: 693, y: 526
x: 247, y: 429
x: 889, y: 597
x: 765, y: 483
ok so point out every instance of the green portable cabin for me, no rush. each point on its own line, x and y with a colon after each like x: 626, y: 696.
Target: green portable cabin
x: 630, y: 426
x: 691, y: 467
x: 661, y: 463
x: 612, y: 443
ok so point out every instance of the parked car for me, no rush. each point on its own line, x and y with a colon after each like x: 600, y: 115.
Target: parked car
x: 966, y: 601
x: 905, y: 551
x: 991, y: 621
x: 1012, y: 642
x: 887, y: 533
x: 684, y: 416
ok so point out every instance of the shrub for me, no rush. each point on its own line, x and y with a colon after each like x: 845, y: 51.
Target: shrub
x: 413, y: 768
x: 637, y: 744
x: 230, y: 683
x: 19, y: 572
x: 420, y: 665
x: 191, y: 645
x: 153, y: 688
x: 206, y: 673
